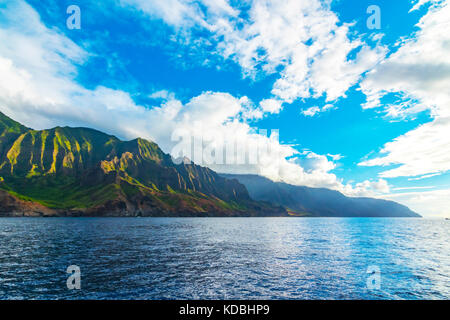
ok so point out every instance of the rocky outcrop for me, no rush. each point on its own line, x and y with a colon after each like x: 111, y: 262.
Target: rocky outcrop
x: 11, y: 206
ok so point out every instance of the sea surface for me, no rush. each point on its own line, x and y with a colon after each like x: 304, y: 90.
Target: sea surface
x: 225, y: 258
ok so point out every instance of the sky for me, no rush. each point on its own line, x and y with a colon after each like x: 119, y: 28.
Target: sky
x: 348, y: 95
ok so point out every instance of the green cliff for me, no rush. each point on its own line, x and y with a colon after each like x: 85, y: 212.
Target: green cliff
x: 81, y: 171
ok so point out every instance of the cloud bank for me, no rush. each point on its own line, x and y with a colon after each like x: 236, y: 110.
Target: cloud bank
x: 420, y: 71
x: 301, y: 41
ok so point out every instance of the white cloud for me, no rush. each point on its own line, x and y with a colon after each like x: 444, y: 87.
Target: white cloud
x: 41, y: 92
x: 428, y: 203
x: 413, y: 188
x: 420, y: 71
x: 335, y: 157
x: 422, y: 151
x: 312, y: 111
x: 162, y: 94
x: 424, y: 177
x: 377, y: 187
x: 313, y: 162
x: 304, y: 40
x: 174, y: 12
x: 419, y: 3
x: 300, y: 40
x: 270, y: 105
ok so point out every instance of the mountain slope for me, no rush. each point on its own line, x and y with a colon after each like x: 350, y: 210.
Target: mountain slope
x: 304, y: 201
x: 81, y: 171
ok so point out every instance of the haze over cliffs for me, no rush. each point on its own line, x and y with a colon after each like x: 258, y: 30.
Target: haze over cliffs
x: 318, y: 202
x: 83, y: 172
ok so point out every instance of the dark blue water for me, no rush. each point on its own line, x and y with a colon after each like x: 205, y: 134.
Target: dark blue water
x: 228, y: 258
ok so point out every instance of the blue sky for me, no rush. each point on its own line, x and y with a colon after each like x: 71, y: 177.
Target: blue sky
x: 338, y: 92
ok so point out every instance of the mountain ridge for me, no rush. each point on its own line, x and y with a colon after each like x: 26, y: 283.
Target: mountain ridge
x: 82, y: 171
x: 67, y: 171
x: 318, y: 202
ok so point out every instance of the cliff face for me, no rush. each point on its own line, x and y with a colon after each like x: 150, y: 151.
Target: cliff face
x: 319, y: 202
x: 80, y: 171
x: 84, y: 172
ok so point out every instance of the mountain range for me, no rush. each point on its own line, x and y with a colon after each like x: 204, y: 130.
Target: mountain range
x: 318, y: 202
x: 83, y: 172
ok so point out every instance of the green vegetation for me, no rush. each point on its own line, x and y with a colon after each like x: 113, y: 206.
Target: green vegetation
x: 58, y: 192
x: 80, y: 168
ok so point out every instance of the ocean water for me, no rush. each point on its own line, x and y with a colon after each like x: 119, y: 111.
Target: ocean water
x: 225, y: 258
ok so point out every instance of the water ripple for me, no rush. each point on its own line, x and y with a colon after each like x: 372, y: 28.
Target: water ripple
x: 232, y: 258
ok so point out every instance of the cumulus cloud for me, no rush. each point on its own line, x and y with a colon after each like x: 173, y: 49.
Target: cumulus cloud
x: 420, y: 71
x: 38, y: 88
x: 174, y: 12
x: 315, y: 162
x: 419, y: 3
x: 374, y: 187
x: 335, y: 157
x: 424, y: 150
x: 162, y: 95
x: 302, y: 41
x: 270, y: 105
x: 312, y: 111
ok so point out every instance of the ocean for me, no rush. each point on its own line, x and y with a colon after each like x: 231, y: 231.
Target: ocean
x: 225, y: 258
